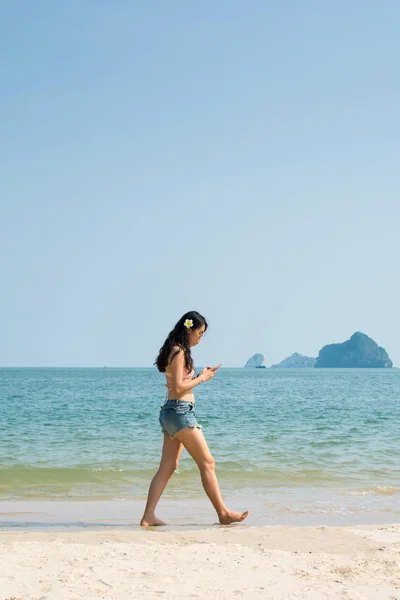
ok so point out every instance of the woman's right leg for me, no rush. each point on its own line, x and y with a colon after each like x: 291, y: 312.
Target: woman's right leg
x: 195, y: 443
x: 171, y: 452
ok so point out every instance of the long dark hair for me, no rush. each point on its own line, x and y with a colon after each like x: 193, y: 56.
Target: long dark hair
x: 179, y: 336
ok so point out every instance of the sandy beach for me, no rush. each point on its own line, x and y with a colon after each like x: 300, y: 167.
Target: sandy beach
x: 279, y: 563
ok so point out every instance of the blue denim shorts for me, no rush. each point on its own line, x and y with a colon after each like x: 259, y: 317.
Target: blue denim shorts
x: 176, y: 415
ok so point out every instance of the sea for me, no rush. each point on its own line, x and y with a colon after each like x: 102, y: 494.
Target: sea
x: 78, y: 447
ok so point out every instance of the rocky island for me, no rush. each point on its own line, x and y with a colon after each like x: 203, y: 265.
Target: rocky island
x: 296, y: 361
x: 255, y: 362
x: 359, y: 352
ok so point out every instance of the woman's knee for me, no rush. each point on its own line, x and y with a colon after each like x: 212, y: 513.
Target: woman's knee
x: 207, y: 463
x: 169, y: 468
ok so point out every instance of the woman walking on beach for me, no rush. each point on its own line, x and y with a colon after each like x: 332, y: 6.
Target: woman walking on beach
x: 178, y: 419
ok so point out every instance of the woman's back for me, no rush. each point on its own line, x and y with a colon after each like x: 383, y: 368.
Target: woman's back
x: 177, y: 373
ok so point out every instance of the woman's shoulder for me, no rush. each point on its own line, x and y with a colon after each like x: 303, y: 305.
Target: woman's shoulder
x: 176, y: 348
x: 175, y: 351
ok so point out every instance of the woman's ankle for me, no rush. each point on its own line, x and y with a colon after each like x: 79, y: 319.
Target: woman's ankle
x: 149, y: 514
x: 223, y: 512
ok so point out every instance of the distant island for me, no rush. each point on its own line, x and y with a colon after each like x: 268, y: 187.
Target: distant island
x: 255, y: 362
x: 359, y: 352
x: 296, y: 361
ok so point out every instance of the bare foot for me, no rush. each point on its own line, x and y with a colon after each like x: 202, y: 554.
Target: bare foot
x: 151, y: 522
x: 233, y: 517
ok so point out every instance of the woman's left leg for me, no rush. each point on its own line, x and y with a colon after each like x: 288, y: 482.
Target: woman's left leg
x: 171, y: 452
x: 195, y: 443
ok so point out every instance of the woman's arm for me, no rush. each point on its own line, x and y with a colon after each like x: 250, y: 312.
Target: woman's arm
x: 175, y: 374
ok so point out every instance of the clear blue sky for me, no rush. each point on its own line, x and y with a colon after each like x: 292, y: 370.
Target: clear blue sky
x: 237, y: 158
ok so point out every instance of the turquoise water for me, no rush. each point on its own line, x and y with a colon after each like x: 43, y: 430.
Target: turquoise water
x: 311, y: 437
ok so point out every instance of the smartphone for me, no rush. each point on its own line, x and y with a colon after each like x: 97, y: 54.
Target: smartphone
x: 217, y: 367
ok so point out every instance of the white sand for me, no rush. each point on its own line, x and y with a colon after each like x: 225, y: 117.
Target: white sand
x: 285, y: 563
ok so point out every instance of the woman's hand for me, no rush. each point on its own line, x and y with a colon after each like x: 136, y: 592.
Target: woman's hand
x: 207, y: 373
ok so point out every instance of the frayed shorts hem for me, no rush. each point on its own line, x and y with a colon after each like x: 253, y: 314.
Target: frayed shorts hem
x: 172, y: 437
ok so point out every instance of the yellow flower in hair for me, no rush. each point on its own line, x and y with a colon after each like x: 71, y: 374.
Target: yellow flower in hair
x: 188, y: 323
